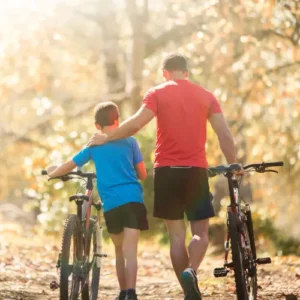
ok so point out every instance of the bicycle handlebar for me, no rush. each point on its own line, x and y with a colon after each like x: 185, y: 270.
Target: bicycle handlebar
x: 77, y: 173
x: 260, y: 168
x: 265, y: 165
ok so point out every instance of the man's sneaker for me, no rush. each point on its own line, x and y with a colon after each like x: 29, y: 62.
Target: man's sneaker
x: 131, y: 295
x: 190, y: 285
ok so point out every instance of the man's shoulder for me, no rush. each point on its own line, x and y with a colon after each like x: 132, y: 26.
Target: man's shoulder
x: 164, y: 85
x: 170, y: 84
x: 201, y: 88
x: 158, y: 87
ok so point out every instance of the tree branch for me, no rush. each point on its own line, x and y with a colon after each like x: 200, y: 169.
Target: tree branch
x: 255, y: 81
x: 26, y: 140
x: 118, y: 97
x: 267, y: 33
x: 177, y: 33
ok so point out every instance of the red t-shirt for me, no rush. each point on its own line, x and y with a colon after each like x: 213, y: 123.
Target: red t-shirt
x: 182, y: 110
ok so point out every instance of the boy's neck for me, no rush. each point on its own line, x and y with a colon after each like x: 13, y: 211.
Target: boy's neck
x: 107, y: 129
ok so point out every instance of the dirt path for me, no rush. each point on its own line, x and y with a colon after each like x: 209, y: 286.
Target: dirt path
x: 27, y: 266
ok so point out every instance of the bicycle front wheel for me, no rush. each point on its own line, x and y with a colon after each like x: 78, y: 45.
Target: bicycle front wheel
x: 251, y: 233
x: 71, y: 256
x: 94, y: 242
x: 237, y: 256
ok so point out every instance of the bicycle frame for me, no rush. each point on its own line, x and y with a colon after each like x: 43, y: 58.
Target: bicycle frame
x: 84, y: 213
x: 235, y: 207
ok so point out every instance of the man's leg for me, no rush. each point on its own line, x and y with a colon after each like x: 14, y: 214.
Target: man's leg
x: 130, y: 245
x: 199, y: 243
x: 120, y: 262
x: 178, y: 251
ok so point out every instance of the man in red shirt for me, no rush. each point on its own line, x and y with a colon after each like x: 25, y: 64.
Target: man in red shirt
x: 182, y: 110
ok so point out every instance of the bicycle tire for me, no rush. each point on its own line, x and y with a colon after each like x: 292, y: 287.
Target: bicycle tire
x: 71, y: 232
x: 90, y: 289
x: 251, y: 266
x: 237, y: 257
x: 251, y: 233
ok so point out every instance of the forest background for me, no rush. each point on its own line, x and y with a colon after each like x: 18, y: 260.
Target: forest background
x: 58, y: 59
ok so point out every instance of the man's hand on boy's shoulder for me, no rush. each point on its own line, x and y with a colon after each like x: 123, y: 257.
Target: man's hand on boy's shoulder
x: 97, y: 139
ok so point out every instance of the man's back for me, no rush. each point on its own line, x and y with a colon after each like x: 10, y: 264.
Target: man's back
x: 182, y: 110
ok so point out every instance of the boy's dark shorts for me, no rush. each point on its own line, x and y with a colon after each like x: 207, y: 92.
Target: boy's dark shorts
x: 130, y: 215
x: 179, y: 190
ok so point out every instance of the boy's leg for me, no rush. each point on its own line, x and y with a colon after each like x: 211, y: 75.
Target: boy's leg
x: 199, y: 243
x: 130, y: 246
x: 178, y: 251
x: 120, y: 262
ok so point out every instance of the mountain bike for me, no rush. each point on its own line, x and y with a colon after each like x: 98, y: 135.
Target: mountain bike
x: 81, y: 251
x: 240, y: 233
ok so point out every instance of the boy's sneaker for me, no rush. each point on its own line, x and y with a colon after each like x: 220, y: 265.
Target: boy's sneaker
x: 190, y: 285
x: 122, y: 296
x: 131, y: 295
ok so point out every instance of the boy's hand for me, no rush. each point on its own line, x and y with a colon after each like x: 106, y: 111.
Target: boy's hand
x: 50, y: 169
x: 97, y: 139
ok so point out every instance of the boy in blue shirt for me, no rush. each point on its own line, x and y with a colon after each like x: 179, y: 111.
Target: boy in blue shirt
x: 119, y: 165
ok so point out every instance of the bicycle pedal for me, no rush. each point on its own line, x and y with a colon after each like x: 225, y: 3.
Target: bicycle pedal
x: 220, y: 272
x: 263, y: 261
x: 54, y: 285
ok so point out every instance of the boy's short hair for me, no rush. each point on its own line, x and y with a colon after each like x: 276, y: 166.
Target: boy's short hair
x: 106, y: 113
x: 175, y: 62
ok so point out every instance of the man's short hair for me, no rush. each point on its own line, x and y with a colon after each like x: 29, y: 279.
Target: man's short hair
x: 175, y: 62
x: 106, y: 113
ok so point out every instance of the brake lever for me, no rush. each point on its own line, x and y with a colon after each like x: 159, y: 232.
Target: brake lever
x: 63, y: 178
x: 273, y: 171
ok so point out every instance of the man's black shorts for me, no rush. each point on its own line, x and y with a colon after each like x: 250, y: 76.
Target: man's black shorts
x: 130, y: 215
x: 180, y: 190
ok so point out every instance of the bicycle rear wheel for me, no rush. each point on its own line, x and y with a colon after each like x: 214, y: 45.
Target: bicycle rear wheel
x: 237, y: 257
x: 71, y: 257
x: 94, y: 240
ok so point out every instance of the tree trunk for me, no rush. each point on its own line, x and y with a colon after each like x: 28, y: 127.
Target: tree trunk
x: 111, y: 50
x: 138, y: 21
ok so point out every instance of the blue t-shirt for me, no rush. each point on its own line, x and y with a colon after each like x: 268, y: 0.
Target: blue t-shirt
x: 117, y: 180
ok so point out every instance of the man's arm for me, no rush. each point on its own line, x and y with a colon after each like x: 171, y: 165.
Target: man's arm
x: 128, y: 128
x: 226, y: 141
x: 55, y: 171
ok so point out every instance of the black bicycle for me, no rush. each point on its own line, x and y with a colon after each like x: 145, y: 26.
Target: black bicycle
x: 81, y: 251
x: 240, y: 234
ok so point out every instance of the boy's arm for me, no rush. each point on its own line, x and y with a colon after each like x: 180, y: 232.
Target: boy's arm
x: 55, y: 171
x: 141, y: 170
x: 78, y: 160
x: 138, y: 160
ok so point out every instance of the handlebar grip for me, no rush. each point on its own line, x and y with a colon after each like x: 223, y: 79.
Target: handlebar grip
x: 274, y: 164
x: 44, y: 172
